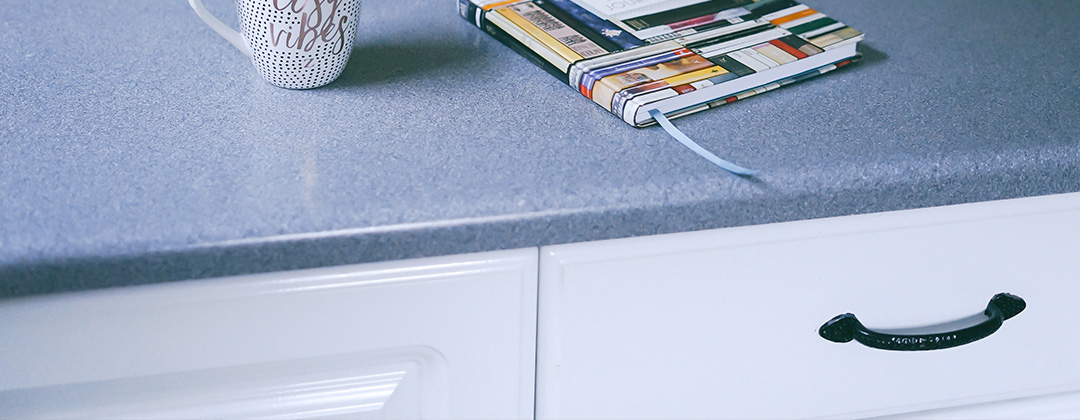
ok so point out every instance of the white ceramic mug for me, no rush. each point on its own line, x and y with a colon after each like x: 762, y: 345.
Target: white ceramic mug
x: 295, y: 44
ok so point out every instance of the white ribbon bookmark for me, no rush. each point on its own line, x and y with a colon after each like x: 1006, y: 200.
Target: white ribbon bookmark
x: 696, y: 148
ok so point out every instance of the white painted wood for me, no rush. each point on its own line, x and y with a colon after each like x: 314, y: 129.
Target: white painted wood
x: 449, y: 337
x: 1063, y: 406
x: 723, y: 324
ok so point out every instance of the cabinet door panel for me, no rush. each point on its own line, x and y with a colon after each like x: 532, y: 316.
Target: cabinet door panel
x: 724, y: 324
x: 449, y: 337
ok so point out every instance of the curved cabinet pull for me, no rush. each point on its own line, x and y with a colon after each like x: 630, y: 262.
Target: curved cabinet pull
x: 846, y: 327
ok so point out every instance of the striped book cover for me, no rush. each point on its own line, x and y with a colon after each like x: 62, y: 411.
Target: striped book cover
x: 673, y: 57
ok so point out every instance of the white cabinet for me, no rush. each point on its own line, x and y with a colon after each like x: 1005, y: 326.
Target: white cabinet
x: 716, y: 324
x: 1058, y: 406
x: 450, y: 337
x: 724, y: 324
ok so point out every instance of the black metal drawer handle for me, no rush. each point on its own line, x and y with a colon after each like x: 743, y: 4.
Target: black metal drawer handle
x: 846, y: 327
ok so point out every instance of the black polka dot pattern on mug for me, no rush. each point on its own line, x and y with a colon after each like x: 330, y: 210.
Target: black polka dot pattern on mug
x: 299, y: 44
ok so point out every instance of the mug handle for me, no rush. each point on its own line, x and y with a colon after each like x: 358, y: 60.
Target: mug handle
x: 235, y: 38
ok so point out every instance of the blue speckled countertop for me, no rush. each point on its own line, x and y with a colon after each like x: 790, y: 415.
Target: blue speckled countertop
x: 136, y: 146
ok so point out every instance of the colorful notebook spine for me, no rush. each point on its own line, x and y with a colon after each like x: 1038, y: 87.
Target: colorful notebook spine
x: 682, y: 59
x: 474, y: 14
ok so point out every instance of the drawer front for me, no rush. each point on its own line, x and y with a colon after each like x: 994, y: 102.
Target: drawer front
x: 450, y: 337
x: 724, y: 324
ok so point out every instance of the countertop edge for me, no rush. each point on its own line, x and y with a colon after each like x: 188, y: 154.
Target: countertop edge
x: 389, y: 243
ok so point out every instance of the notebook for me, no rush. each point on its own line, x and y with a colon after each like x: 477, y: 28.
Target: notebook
x: 640, y: 59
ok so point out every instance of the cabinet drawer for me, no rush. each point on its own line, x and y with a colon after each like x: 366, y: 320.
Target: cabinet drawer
x: 450, y: 337
x: 724, y: 324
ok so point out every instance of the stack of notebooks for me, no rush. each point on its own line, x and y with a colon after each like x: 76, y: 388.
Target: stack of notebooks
x: 642, y: 58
